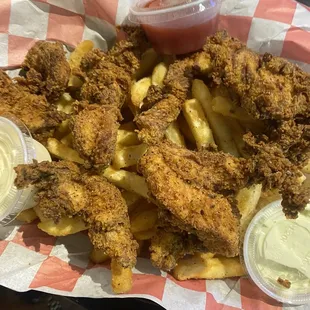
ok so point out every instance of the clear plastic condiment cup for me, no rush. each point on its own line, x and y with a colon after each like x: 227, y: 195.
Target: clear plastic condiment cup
x: 16, y: 147
x: 276, y: 249
x: 176, y: 26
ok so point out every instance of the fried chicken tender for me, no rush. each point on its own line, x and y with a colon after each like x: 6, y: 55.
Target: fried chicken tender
x: 269, y: 87
x: 154, y: 122
x: 172, y: 177
x: 47, y: 70
x: 168, y: 247
x: 34, y: 111
x: 64, y: 190
x: 274, y: 170
x: 95, y: 133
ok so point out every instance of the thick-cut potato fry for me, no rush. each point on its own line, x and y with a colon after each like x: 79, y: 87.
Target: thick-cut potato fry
x: 127, y: 137
x: 183, y: 125
x: 127, y: 156
x: 306, y: 169
x: 173, y: 134
x: 247, y: 200
x: 221, y: 91
x: 74, y: 82
x: 138, y: 92
x: 226, y: 107
x: 66, y: 226
x: 127, y: 180
x: 268, y: 197
x: 218, y: 124
x: 78, y: 53
x: 67, y: 140
x: 121, y: 278
x: 62, y: 151
x: 98, y: 256
x: 197, y: 122
x: 238, y: 133
x: 159, y: 74
x: 27, y: 216
x: 145, y: 235
x: 142, y: 220
x: 200, y: 267
x: 148, y: 61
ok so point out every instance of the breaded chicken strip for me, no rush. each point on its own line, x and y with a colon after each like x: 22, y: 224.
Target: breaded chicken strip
x: 175, y: 185
x: 167, y: 247
x: 34, y: 111
x: 95, y: 133
x: 154, y: 122
x: 269, y: 87
x: 64, y: 190
x: 47, y: 70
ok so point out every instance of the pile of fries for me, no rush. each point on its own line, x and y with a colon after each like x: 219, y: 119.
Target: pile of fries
x: 209, y: 118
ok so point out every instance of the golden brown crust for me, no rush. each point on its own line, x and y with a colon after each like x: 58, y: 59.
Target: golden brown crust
x: 64, y: 190
x: 204, y: 213
x: 47, y: 70
x: 95, y: 132
x: 154, y: 122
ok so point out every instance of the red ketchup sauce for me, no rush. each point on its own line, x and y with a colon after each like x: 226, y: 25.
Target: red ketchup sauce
x: 171, y: 39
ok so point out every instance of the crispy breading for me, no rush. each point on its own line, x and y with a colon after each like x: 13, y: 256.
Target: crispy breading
x: 178, y: 79
x: 208, y: 215
x: 47, y: 70
x: 274, y: 170
x: 154, y: 122
x: 168, y: 247
x: 91, y: 59
x: 154, y: 95
x: 64, y: 190
x: 34, y: 111
x: 269, y: 87
x: 94, y: 131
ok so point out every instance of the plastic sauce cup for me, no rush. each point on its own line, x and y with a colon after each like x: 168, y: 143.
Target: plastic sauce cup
x: 176, y: 26
x: 276, y: 254
x: 16, y: 147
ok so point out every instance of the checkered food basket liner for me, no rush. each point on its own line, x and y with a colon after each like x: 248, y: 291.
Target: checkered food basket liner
x: 31, y: 259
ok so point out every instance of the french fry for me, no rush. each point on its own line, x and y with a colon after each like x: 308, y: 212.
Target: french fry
x: 183, y: 125
x: 204, y: 267
x: 159, y: 74
x: 226, y: 107
x: 62, y: 151
x: 145, y: 235
x: 127, y: 156
x: 121, y: 278
x: 129, y: 181
x: 138, y: 92
x: 27, y: 216
x: 143, y: 218
x: 66, y: 226
x: 247, y: 200
x: 127, y: 136
x: 75, y: 82
x: 173, y: 134
x: 221, y: 91
x: 67, y: 140
x: 149, y: 60
x: 64, y: 104
x: 78, y: 53
x: 306, y: 169
x: 98, y: 256
x: 218, y: 124
x: 238, y: 132
x: 197, y: 122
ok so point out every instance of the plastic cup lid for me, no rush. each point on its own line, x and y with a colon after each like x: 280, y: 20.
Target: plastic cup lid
x: 16, y: 147
x: 268, y: 269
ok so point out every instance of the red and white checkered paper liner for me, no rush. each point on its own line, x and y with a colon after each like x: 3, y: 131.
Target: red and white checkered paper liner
x: 31, y: 259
